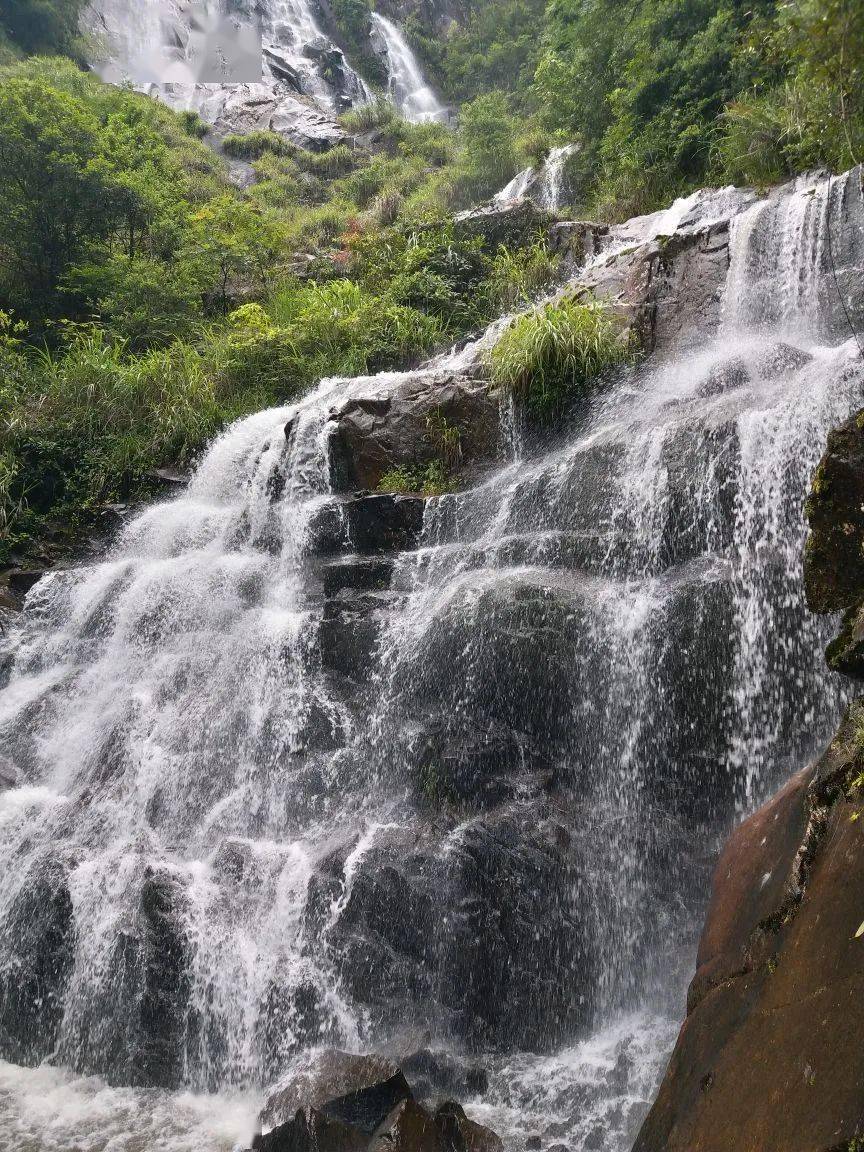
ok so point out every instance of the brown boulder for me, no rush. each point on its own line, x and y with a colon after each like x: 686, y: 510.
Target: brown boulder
x: 770, y: 1057
x: 312, y: 1131
x: 404, y: 424
x: 408, y: 1127
x: 459, y: 1134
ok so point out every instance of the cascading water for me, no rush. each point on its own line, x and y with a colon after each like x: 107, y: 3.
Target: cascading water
x: 545, y: 186
x: 152, y: 44
x: 281, y: 789
x: 407, y: 86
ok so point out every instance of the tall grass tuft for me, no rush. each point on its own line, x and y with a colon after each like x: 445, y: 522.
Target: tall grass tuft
x: 553, y: 355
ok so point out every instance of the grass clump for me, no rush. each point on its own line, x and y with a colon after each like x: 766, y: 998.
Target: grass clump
x: 253, y: 145
x: 553, y: 355
x: 431, y: 480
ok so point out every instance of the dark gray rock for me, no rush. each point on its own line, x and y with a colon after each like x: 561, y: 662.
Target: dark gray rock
x: 397, y: 426
x: 335, y: 1075
x: 21, y: 580
x: 669, y: 289
x: 514, y: 223
x: 38, y: 931
x: 440, y: 1074
x: 576, y: 242
x: 164, y: 958
x: 490, y: 976
x: 383, y: 523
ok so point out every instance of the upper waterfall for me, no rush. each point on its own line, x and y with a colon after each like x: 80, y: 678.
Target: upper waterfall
x: 156, y: 44
x: 407, y: 86
x: 282, y: 784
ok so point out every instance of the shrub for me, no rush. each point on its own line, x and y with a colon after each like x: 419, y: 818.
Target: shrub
x: 253, y: 358
x: 518, y: 275
x: 553, y: 355
x: 378, y: 113
x: 337, y: 161
x: 144, y: 301
x: 432, y: 480
x: 193, y: 125
x: 254, y: 145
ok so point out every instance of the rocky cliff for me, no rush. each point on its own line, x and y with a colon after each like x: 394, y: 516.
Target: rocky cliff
x: 325, y: 767
x: 770, y: 1057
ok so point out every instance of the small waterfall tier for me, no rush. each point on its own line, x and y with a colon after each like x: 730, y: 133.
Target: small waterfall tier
x: 301, y: 766
x: 547, y: 186
x: 407, y: 87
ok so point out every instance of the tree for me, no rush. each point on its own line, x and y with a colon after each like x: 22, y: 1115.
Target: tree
x: 55, y: 187
x: 46, y: 27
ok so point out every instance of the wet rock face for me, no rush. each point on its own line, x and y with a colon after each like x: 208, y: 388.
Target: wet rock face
x: 493, y: 970
x: 513, y: 224
x: 770, y: 1052
x: 32, y: 988
x: 834, y: 556
x: 164, y: 957
x: 404, y: 427
x: 669, y: 289
x: 576, y: 241
x: 834, y: 560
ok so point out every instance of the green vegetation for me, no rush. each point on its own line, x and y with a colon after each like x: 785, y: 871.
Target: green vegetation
x: 436, y: 476
x: 665, y: 96
x: 43, y: 26
x: 556, y: 353
x: 145, y: 300
x: 352, y: 27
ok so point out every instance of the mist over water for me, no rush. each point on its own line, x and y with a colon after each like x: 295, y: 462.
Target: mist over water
x: 619, y: 616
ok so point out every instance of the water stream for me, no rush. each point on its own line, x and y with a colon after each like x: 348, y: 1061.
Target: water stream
x: 407, y: 86
x: 244, y: 831
x: 157, y: 45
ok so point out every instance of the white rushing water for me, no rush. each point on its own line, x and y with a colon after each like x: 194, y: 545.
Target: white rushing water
x: 407, y: 86
x: 175, y: 50
x: 219, y: 855
x: 545, y: 186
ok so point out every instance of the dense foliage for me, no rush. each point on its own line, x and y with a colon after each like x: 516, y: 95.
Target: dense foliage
x: 556, y: 354
x: 665, y: 95
x: 46, y: 26
x: 145, y: 300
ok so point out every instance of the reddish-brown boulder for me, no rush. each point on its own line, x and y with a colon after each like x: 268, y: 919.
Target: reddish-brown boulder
x: 770, y: 1058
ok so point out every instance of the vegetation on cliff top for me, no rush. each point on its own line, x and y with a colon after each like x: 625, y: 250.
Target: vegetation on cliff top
x: 667, y: 96
x: 145, y: 300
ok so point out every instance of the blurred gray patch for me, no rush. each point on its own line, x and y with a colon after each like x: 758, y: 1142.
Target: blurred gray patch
x: 220, y: 49
x: 176, y: 41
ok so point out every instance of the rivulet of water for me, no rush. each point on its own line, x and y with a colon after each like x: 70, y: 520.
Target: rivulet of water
x: 407, y: 85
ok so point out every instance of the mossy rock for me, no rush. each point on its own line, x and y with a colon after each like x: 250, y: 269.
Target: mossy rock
x: 834, y: 555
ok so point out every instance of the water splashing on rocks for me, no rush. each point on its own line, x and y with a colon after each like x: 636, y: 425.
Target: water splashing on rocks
x: 302, y: 766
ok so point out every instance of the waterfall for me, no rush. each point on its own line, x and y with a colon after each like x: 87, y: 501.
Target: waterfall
x: 153, y: 43
x: 407, y: 87
x: 281, y: 789
x: 545, y: 187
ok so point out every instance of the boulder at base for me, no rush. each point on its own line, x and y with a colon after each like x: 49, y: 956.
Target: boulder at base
x: 770, y: 1057
x: 373, y: 1108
